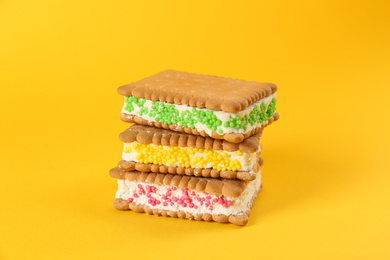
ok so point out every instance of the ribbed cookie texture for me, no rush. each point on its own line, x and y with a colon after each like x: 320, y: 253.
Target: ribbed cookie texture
x: 201, y: 91
x: 232, y: 188
x: 241, y: 175
x: 230, y: 137
x: 157, y: 136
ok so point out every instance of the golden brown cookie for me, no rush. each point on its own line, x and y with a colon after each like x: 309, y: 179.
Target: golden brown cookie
x: 226, y: 187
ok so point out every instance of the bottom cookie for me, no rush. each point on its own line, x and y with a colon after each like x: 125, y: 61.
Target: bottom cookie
x: 170, y: 201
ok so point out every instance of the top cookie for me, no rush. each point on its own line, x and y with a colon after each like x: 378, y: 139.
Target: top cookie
x: 202, y: 91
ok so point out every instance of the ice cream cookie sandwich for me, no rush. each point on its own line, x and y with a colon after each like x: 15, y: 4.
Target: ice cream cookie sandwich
x: 150, y: 149
x: 189, y: 197
x: 221, y: 108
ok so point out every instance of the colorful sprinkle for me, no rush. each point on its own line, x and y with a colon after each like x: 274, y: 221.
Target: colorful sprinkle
x: 168, y: 114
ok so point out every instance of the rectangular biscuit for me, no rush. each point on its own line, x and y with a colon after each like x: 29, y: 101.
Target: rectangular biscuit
x: 221, y: 108
x: 219, y: 200
x: 150, y: 149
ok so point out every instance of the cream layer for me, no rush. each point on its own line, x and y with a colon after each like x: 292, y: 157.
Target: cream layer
x: 163, y: 197
x: 220, y: 115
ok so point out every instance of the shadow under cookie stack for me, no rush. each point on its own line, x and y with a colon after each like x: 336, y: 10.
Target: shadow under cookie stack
x: 193, y: 150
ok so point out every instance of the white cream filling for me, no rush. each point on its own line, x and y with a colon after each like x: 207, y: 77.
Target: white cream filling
x: 247, y: 160
x: 221, y: 115
x: 239, y: 205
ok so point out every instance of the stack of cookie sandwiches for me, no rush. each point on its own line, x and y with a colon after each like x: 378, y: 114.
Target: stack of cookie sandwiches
x: 193, y: 150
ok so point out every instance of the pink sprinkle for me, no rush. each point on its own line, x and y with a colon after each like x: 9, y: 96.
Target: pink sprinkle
x: 164, y: 197
x: 206, y: 193
x: 198, y: 199
x: 165, y: 204
x: 201, y: 203
x: 139, y: 186
x: 215, y: 200
x: 130, y: 200
x: 224, y: 205
x: 175, y: 199
x: 188, y: 200
x: 207, y: 204
x: 172, y: 203
x: 158, y: 202
x: 169, y: 200
x: 185, y: 190
x: 148, y: 188
x: 174, y: 188
x: 154, y: 203
x: 184, y: 205
x: 150, y: 201
x: 193, y: 193
x: 185, y: 197
x: 169, y: 189
x: 180, y: 201
x: 222, y: 196
x: 169, y: 193
x: 195, y: 207
x: 211, y: 208
x: 229, y: 202
x: 148, y: 195
x: 191, y: 205
x: 154, y: 189
x: 208, y: 197
x: 135, y: 195
x: 203, y: 199
x: 220, y: 201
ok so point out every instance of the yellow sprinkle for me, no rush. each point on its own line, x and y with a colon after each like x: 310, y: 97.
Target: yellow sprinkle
x: 225, y: 154
x: 219, y: 168
x: 239, y: 153
x: 160, y: 147
x: 200, y: 150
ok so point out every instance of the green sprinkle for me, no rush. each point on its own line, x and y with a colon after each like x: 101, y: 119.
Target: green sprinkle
x: 168, y: 114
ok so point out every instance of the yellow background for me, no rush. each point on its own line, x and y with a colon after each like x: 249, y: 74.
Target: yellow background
x: 326, y: 174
